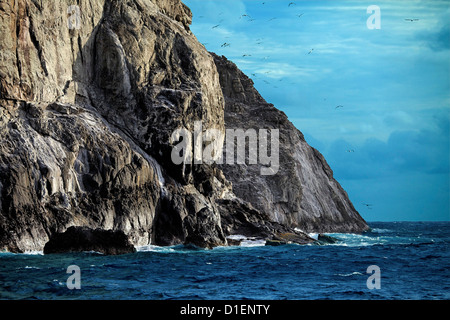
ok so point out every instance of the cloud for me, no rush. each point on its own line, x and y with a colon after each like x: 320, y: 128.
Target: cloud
x: 406, y: 151
x: 437, y: 40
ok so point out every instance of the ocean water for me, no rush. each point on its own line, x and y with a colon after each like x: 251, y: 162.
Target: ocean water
x: 413, y: 260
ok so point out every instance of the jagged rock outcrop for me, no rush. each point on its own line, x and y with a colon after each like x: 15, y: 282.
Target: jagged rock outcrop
x: 87, y: 111
x: 81, y: 239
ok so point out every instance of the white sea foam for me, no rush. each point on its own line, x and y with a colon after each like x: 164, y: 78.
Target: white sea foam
x: 236, y: 237
x: 58, y: 282
x: 252, y: 243
x: 23, y: 253
x: 350, y: 274
x: 355, y: 240
x: 41, y: 253
x: 379, y: 230
x: 315, y: 236
x: 370, y: 239
x: 247, y: 241
x: 28, y: 267
x: 94, y: 252
x: 153, y: 248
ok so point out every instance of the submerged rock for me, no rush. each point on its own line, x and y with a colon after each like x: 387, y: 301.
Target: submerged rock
x: 81, y: 239
x: 275, y: 243
x: 326, y: 239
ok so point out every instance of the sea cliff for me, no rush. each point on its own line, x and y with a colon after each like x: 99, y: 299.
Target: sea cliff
x: 90, y: 96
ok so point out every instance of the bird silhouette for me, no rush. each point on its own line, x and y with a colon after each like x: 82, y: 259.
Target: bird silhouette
x: 411, y: 20
x: 339, y: 107
x: 215, y: 26
x: 310, y: 51
x: 291, y: 4
x: 226, y: 44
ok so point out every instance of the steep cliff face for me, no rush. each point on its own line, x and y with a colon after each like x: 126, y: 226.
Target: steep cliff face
x: 89, y: 98
x: 87, y: 112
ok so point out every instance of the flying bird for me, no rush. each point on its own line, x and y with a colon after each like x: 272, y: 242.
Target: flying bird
x: 339, y: 107
x: 246, y: 55
x: 215, y: 26
x: 292, y: 3
x: 350, y: 150
x: 310, y: 51
x: 300, y: 15
x: 411, y: 20
x: 226, y: 44
x: 368, y: 205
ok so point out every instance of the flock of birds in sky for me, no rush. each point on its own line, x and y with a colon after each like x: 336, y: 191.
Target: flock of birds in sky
x: 259, y: 41
x: 250, y: 19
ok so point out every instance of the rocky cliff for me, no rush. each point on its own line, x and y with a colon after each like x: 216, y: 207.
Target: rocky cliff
x: 89, y: 100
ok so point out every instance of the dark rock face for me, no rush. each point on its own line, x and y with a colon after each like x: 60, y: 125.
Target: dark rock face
x: 79, y: 239
x: 240, y: 218
x: 86, y: 117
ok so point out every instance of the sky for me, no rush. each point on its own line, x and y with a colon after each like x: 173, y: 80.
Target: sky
x: 374, y: 101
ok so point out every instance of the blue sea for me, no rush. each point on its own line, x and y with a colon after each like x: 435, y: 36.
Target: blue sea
x: 413, y: 259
